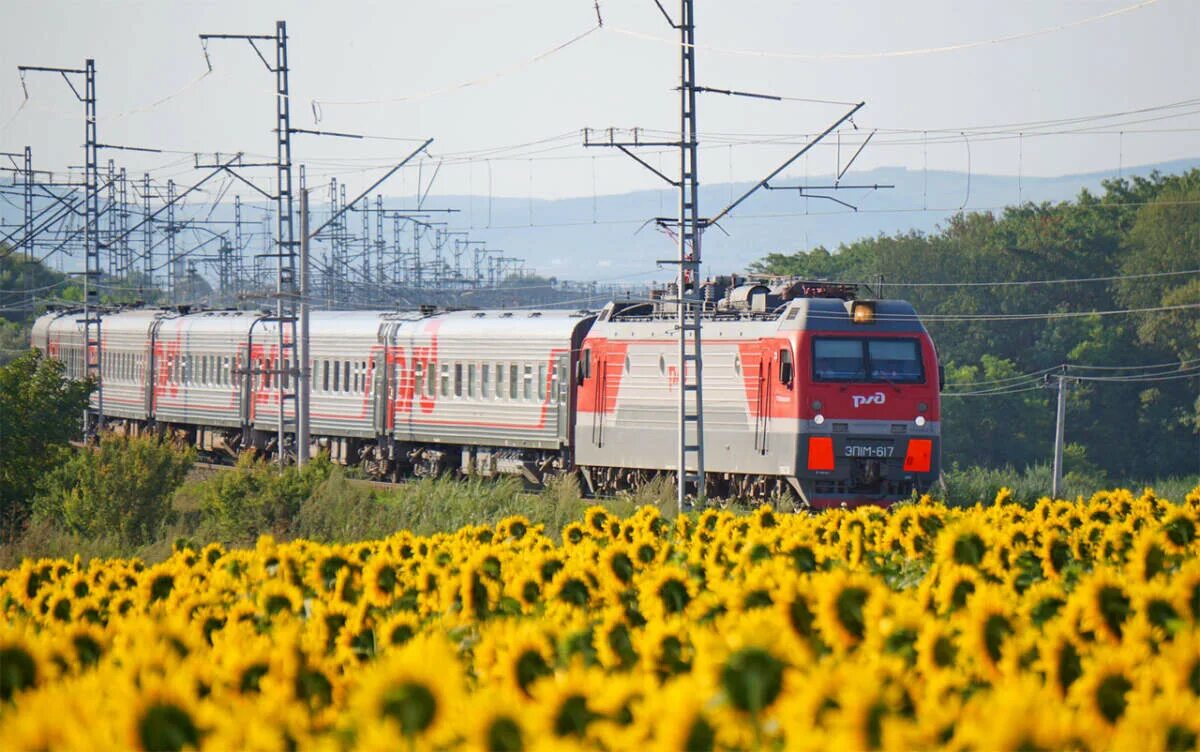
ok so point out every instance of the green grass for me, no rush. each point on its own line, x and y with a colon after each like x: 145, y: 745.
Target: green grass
x: 343, y: 509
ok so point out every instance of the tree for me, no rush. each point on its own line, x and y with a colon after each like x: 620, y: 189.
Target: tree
x: 40, y: 412
x: 122, y: 490
x: 1133, y: 227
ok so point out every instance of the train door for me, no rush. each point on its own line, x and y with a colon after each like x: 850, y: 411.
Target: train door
x: 379, y: 392
x: 150, y: 376
x: 244, y: 368
x: 600, y: 385
x: 766, y: 400
x: 756, y: 373
x: 562, y: 393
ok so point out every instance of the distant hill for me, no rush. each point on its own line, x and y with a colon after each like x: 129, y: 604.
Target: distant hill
x: 598, y: 239
x: 564, y: 241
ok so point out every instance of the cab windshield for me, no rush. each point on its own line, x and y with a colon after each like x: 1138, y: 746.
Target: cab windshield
x: 867, y: 359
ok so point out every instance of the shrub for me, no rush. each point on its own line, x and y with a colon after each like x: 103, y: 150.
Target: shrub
x: 121, y: 490
x: 40, y: 411
x: 257, y: 497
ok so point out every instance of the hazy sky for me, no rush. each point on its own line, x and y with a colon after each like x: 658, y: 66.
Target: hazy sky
x: 398, y: 69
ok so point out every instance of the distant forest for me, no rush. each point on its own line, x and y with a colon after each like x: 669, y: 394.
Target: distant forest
x: 1137, y: 414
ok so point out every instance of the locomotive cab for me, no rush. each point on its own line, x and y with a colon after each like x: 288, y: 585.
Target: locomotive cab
x: 869, y: 418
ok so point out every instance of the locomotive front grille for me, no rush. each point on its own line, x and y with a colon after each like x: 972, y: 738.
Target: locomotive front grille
x: 852, y: 487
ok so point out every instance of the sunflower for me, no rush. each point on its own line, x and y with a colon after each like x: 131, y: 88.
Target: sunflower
x: 1181, y: 663
x: 664, y: 648
x: 1104, y: 605
x: 479, y: 585
x: 893, y: 626
x: 679, y: 717
x: 497, y: 723
x: 614, y: 640
x: 1103, y: 693
x: 1148, y: 556
x: 964, y: 542
x: 1018, y: 713
x: 277, y: 596
x: 381, y: 579
x: 396, y: 630
x: 937, y: 648
x: 164, y: 717
x: 664, y: 591
x: 566, y: 704
x: 842, y: 600
x: 987, y: 626
x: 524, y: 586
x: 24, y: 659
x: 416, y: 692
x: 954, y: 586
x: 1160, y: 723
x: 514, y: 655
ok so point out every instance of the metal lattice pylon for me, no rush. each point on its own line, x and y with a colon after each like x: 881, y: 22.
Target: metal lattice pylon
x: 690, y: 467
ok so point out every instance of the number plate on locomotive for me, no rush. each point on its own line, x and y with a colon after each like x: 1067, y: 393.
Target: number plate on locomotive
x: 875, y: 450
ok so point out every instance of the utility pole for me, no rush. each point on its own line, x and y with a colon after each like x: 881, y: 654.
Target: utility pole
x: 147, y: 240
x: 1059, y: 430
x: 111, y: 210
x: 688, y: 309
x: 28, y: 186
x: 238, y: 246
x: 286, y: 364
x: 380, y: 245
x: 172, y: 231
x: 126, y: 264
x: 92, y: 270
x: 305, y: 373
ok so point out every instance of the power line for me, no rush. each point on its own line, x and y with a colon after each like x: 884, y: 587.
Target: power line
x: 891, y: 53
x: 1029, y: 282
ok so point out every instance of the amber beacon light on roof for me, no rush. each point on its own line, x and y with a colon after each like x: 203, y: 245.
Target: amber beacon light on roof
x: 862, y: 311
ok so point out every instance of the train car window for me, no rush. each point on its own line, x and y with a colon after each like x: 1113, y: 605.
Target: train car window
x: 785, y: 366
x: 541, y: 387
x: 527, y: 392
x: 445, y: 373
x: 366, y: 376
x: 324, y: 375
x: 346, y: 375
x: 896, y: 360
x: 418, y: 378
x: 485, y: 380
x: 285, y: 376
x: 839, y: 359
x: 337, y: 376
x: 458, y: 380
x: 514, y: 380
x: 500, y: 369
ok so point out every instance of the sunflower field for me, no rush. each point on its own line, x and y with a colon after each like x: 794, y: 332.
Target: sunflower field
x: 1070, y: 624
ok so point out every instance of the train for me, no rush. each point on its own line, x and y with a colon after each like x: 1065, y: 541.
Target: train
x: 811, y: 392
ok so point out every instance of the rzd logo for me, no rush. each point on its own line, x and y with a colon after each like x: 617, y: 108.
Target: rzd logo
x: 877, y: 398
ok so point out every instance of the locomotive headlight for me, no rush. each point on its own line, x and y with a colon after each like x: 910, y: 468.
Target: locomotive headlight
x: 816, y: 405
x: 818, y: 419
x: 862, y: 312
x: 920, y: 421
